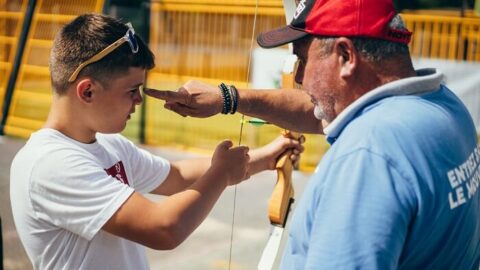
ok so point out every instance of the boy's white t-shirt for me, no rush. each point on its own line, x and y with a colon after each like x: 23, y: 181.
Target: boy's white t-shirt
x: 63, y: 191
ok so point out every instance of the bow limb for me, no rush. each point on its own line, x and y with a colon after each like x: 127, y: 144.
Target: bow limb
x: 278, y: 208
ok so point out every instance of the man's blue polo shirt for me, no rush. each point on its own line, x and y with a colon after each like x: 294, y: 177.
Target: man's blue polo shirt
x: 398, y: 188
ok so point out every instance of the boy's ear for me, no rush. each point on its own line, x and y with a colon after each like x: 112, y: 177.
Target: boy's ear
x: 85, y: 90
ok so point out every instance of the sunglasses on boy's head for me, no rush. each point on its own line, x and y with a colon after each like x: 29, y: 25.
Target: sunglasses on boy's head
x: 129, y: 37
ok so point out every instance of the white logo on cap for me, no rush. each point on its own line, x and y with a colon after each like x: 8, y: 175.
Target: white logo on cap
x: 300, y: 8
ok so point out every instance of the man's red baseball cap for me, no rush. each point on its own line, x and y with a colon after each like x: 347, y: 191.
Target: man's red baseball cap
x: 338, y: 18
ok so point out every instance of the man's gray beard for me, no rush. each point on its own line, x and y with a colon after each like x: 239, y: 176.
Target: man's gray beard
x: 318, y: 112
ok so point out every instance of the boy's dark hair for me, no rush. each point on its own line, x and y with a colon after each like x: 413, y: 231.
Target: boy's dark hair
x: 84, y: 37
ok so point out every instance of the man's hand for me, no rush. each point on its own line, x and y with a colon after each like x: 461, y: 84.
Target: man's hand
x: 195, y: 99
x: 265, y: 158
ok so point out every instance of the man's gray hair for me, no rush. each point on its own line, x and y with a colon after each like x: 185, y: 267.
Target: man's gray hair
x: 374, y: 50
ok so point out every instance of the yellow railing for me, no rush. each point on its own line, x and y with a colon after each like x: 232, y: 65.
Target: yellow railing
x: 266, y: 7
x: 444, y: 37
x: 210, y: 41
x: 11, y: 17
x: 32, y: 95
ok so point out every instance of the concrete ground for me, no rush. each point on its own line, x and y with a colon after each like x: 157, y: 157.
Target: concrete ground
x: 207, y: 248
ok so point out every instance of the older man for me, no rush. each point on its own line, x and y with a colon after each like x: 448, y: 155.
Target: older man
x: 398, y: 187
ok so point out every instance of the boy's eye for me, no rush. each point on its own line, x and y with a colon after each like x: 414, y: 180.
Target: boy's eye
x: 133, y: 91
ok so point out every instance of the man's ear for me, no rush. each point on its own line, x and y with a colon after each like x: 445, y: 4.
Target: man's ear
x: 85, y: 90
x: 347, y: 56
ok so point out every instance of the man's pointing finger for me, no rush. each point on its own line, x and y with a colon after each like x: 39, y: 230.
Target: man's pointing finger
x: 166, y: 95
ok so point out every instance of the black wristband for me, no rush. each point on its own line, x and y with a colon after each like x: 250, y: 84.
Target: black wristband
x: 234, y: 93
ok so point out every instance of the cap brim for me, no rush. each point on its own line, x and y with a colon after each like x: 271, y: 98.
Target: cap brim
x: 279, y: 36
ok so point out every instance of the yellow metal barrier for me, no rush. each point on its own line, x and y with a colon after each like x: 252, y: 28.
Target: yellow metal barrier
x: 445, y: 37
x: 11, y: 18
x: 210, y: 41
x: 32, y: 95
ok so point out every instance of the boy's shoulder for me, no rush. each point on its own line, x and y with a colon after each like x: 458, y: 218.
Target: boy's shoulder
x: 51, y: 138
x: 49, y: 141
x: 46, y: 146
x: 51, y: 148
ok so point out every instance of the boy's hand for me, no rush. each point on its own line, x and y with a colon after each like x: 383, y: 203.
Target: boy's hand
x: 194, y: 98
x: 231, y: 162
x: 266, y: 157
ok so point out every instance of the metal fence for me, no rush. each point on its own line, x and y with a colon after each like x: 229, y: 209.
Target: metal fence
x: 210, y: 41
x: 11, y: 18
x: 444, y: 37
x: 31, y: 93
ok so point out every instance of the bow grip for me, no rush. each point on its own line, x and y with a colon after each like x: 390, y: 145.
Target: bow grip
x: 282, y: 195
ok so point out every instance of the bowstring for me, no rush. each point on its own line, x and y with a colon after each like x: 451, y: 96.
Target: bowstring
x: 247, y: 79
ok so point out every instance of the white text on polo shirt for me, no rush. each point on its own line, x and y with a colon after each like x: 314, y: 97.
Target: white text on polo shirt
x: 464, y: 180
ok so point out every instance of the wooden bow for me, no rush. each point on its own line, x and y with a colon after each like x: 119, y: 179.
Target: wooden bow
x: 283, y: 193
x: 280, y: 202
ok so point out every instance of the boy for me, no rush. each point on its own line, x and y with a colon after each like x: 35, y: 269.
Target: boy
x: 76, y: 185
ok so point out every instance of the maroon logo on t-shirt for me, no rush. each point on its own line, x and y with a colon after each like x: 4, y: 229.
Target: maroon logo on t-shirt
x: 118, y: 171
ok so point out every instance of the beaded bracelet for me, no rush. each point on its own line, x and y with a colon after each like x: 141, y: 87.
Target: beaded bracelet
x: 227, y: 98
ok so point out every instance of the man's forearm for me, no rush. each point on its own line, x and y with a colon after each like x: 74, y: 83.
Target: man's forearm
x: 289, y: 109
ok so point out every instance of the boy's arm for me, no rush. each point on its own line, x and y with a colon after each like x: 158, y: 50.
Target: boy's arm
x: 166, y: 224
x: 185, y: 172
x: 182, y: 174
